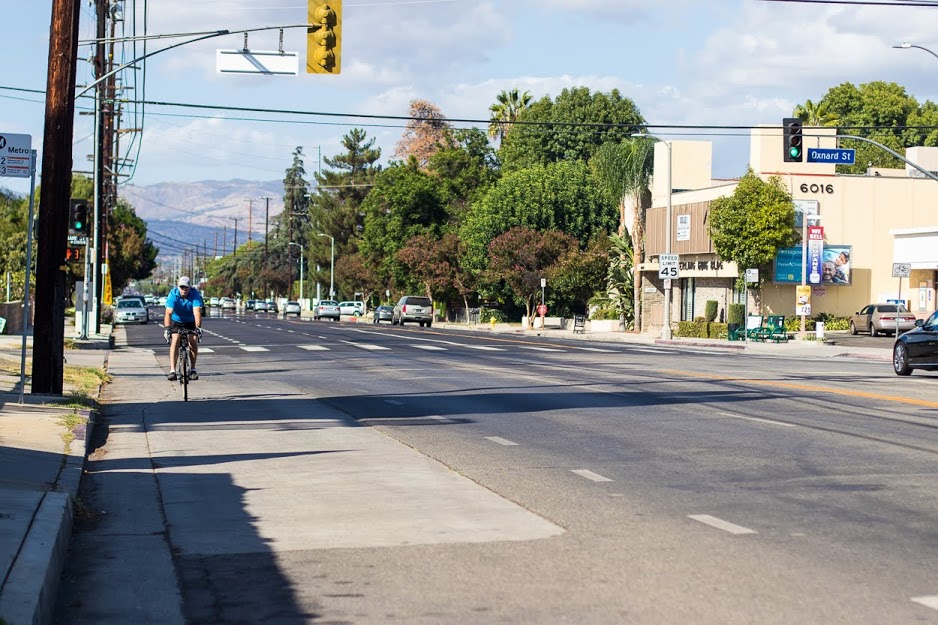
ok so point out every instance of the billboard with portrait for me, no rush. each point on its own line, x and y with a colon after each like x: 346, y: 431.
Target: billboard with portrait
x: 834, y: 269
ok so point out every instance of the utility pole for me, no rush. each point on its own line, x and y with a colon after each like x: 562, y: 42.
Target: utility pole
x: 266, y: 226
x: 215, y: 254
x: 250, y: 221
x: 49, y: 328
x: 234, y: 250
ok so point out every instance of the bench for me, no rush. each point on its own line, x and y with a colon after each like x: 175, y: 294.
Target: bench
x: 773, y: 330
x: 579, y: 324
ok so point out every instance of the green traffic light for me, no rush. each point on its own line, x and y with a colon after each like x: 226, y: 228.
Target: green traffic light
x: 794, y: 151
x: 77, y: 225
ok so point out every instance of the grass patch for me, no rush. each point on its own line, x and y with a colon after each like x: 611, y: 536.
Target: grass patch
x: 71, y: 421
x: 85, y: 382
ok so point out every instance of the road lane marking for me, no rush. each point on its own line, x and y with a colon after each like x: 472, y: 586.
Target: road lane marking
x: 483, y: 348
x: 206, y: 350
x: 720, y: 524
x: 441, y: 419
x: 253, y: 348
x: 930, y: 601
x: 595, y: 349
x: 314, y: 348
x: 368, y: 346
x: 430, y: 348
x: 541, y: 349
x: 595, y: 477
x: 500, y: 441
x: 769, y: 421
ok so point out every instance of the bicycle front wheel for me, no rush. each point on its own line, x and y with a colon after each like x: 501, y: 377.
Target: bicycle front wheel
x: 183, y: 371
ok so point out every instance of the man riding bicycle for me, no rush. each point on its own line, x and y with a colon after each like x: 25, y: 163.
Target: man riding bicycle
x: 183, y: 310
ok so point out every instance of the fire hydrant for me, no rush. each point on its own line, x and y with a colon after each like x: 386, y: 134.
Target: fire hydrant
x: 492, y: 322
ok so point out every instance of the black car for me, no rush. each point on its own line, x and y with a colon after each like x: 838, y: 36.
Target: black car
x: 917, y: 348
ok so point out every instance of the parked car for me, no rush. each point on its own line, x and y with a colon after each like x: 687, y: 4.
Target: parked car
x: 917, y: 348
x: 272, y: 307
x: 355, y: 309
x: 882, y: 318
x: 292, y: 308
x: 227, y: 303
x: 214, y: 302
x: 413, y: 308
x: 130, y: 310
x: 327, y: 309
x: 260, y: 306
x: 384, y: 313
x: 249, y: 305
x: 139, y: 298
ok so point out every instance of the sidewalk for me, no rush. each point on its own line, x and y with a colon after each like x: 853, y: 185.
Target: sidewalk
x: 42, y: 453
x: 41, y: 458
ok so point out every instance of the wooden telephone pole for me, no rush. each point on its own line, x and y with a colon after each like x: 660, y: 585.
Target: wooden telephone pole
x: 49, y: 329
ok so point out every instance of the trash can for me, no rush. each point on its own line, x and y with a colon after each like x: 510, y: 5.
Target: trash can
x: 819, y: 330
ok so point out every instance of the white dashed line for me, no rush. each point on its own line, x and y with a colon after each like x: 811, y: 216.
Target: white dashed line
x: 930, y: 601
x: 314, y: 348
x: 368, y: 346
x: 253, y: 348
x: 595, y: 349
x: 720, y: 524
x: 595, y: 477
x: 437, y: 417
x: 483, y: 348
x: 430, y: 348
x: 206, y: 350
x: 500, y: 441
x: 541, y: 349
x: 769, y: 421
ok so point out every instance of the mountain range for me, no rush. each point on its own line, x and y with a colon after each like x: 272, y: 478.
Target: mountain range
x: 207, y: 215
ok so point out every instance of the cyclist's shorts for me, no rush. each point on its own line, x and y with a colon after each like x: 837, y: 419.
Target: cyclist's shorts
x: 187, y: 325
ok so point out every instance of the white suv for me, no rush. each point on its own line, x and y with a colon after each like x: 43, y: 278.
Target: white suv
x: 355, y: 309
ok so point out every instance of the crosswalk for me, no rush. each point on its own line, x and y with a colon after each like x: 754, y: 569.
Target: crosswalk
x: 365, y: 346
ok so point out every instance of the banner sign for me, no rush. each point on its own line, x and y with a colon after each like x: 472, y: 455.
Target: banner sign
x: 834, y: 270
x: 815, y: 253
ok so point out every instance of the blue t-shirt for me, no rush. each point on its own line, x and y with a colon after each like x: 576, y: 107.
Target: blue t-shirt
x: 182, y: 305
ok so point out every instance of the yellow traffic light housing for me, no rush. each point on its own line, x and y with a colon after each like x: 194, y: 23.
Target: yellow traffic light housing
x: 324, y: 37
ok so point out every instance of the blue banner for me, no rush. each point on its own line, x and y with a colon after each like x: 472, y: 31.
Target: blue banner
x: 835, y: 266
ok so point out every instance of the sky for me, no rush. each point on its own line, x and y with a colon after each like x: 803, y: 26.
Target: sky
x: 683, y: 62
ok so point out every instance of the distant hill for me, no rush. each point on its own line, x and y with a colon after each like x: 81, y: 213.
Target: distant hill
x: 202, y: 214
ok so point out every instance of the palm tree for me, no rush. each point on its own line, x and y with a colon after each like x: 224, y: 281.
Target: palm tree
x: 506, y: 110
x: 816, y: 114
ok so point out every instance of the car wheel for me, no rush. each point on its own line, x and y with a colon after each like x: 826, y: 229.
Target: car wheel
x: 429, y: 324
x: 873, y: 331
x: 900, y: 359
x: 853, y: 329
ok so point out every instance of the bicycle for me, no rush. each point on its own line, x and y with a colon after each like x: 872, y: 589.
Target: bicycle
x: 184, y: 358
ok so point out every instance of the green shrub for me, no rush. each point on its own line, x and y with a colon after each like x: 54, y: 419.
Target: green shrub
x: 605, y: 313
x: 717, y: 330
x: 735, y: 313
x: 710, y: 310
x: 486, y: 314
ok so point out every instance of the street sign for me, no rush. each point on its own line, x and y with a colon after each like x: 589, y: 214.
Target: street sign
x: 901, y: 270
x: 15, y: 156
x: 271, y: 63
x: 752, y: 275
x: 842, y: 156
x: 668, y: 266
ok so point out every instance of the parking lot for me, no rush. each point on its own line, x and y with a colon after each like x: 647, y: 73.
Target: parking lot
x: 860, y: 340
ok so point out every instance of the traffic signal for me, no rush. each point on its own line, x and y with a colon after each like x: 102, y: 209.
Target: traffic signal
x: 72, y: 254
x: 78, y: 217
x: 792, y: 140
x: 324, y: 37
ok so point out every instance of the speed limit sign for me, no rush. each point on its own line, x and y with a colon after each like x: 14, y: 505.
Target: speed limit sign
x: 668, y: 266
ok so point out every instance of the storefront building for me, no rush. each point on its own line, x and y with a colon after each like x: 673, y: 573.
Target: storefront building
x: 870, y: 223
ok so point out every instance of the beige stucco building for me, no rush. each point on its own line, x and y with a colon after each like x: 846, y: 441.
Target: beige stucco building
x: 884, y: 217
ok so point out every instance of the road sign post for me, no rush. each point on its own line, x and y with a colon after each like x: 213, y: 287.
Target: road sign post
x: 668, y: 266
x: 900, y: 270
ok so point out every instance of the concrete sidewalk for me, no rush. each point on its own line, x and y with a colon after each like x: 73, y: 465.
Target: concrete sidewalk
x: 43, y: 444
x: 43, y: 449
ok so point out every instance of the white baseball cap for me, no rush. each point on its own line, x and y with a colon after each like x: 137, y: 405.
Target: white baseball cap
x: 184, y: 281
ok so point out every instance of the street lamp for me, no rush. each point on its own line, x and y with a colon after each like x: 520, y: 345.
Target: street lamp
x: 331, y: 266
x: 666, y: 330
x: 906, y: 46
x: 301, y: 270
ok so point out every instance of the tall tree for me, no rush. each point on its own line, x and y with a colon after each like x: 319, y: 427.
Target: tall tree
x: 624, y: 170
x: 505, y: 111
x: 464, y: 170
x: 571, y: 127
x: 131, y: 256
x: 815, y: 114
x: 294, y: 219
x: 426, y: 133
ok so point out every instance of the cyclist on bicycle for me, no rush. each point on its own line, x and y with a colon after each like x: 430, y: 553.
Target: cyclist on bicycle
x: 183, y: 310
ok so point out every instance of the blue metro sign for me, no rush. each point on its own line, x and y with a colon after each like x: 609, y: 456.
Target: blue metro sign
x: 841, y: 156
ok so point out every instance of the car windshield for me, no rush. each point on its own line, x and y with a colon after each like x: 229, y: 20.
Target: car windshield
x: 417, y: 301
x: 129, y: 304
x: 328, y: 303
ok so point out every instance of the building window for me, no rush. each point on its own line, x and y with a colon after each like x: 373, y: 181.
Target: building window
x: 687, y: 299
x: 739, y: 294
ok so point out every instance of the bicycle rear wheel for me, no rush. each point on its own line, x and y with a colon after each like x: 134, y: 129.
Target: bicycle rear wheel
x: 182, y: 370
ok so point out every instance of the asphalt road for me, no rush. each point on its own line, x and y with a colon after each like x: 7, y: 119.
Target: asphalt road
x: 352, y: 473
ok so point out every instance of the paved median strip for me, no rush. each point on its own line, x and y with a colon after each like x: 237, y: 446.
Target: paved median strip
x: 720, y: 524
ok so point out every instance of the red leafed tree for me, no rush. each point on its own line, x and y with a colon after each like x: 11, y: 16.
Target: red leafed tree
x: 426, y: 132
x: 521, y: 257
x: 437, y: 264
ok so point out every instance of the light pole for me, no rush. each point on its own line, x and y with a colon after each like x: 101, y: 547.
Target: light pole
x: 666, y: 330
x: 331, y: 266
x: 906, y: 46
x: 301, y: 270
